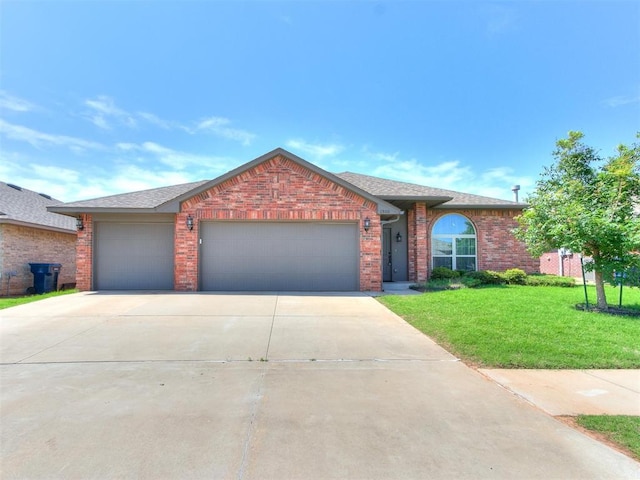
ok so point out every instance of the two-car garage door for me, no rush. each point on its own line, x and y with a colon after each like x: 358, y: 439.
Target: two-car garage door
x: 234, y: 256
x: 293, y: 256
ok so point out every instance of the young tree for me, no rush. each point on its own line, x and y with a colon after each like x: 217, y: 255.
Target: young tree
x: 588, y: 205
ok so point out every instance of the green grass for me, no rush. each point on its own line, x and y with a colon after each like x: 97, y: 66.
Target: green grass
x: 525, y: 327
x: 6, y: 302
x: 621, y: 429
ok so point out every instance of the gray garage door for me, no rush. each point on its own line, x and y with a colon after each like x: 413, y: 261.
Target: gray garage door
x: 254, y: 256
x: 133, y: 256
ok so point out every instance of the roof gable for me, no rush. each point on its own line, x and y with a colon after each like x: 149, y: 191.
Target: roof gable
x: 26, y: 207
x: 383, y: 207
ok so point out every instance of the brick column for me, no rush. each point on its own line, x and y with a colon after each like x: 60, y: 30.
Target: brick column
x: 370, y: 255
x: 418, y: 242
x: 185, y: 269
x: 84, y: 254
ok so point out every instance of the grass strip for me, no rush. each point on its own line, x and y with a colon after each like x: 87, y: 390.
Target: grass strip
x: 6, y: 302
x: 622, y: 430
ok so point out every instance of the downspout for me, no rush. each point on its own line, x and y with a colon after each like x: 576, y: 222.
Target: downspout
x: 386, y: 222
x: 560, y: 262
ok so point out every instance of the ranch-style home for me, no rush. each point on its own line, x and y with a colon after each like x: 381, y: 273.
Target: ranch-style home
x: 280, y: 223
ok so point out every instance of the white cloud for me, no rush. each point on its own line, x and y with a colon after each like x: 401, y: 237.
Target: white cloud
x: 9, y: 102
x: 103, y: 111
x: 620, y: 100
x: 178, y: 160
x: 155, y: 120
x: 219, y: 126
x: 40, y: 139
x: 315, y: 149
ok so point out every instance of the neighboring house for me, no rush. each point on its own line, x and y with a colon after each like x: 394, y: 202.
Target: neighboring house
x: 282, y: 223
x: 31, y: 234
x: 565, y: 263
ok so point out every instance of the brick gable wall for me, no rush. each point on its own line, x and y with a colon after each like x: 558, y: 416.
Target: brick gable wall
x: 278, y: 189
x: 21, y: 245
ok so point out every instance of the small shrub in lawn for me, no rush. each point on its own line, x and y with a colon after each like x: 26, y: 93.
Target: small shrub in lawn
x: 549, y: 281
x: 443, y: 273
x: 486, y: 277
x: 515, y: 276
x: 471, y: 282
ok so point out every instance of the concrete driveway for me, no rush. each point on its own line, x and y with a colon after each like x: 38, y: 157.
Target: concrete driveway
x: 272, y: 386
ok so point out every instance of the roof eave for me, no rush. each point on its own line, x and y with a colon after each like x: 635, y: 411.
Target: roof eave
x: 39, y: 226
x: 499, y: 206
x: 74, y: 211
x: 431, y: 201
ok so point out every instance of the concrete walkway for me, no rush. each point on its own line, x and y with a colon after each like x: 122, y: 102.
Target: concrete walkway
x: 270, y: 386
x: 574, y: 392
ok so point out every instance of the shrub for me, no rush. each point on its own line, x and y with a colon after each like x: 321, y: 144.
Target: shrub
x: 443, y: 273
x: 515, y: 276
x: 486, y: 277
x: 471, y: 282
x: 550, y: 281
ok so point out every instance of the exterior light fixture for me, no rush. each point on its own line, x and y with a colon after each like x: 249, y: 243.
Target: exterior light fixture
x: 79, y: 223
x: 189, y: 222
x: 367, y: 224
x: 398, y: 237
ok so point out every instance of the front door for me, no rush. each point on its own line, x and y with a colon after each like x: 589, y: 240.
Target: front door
x: 387, y: 264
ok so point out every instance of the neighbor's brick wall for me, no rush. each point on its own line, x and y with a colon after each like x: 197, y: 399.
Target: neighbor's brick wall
x: 498, y: 249
x: 21, y: 245
x: 550, y: 265
x: 84, y: 254
x: 276, y: 190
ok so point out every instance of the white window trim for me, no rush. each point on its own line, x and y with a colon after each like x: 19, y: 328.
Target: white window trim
x: 453, y: 255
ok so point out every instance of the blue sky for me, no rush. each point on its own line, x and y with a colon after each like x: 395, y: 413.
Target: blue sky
x: 107, y: 97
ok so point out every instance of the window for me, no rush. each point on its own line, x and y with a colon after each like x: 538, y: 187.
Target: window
x: 453, y: 241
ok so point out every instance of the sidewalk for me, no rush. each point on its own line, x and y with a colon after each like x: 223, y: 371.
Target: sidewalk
x: 574, y: 392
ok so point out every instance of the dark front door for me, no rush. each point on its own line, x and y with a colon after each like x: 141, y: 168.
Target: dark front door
x: 387, y: 264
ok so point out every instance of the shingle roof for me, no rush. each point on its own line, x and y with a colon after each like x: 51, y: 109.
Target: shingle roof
x: 143, y: 199
x: 166, y: 199
x: 22, y: 206
x: 393, y: 189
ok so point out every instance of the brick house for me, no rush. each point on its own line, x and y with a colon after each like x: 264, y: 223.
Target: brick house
x: 31, y: 234
x: 282, y: 223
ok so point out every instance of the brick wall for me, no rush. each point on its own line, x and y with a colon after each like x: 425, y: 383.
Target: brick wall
x: 21, y: 245
x: 498, y: 249
x: 278, y: 189
x: 84, y: 254
x: 571, y: 267
x: 418, y: 242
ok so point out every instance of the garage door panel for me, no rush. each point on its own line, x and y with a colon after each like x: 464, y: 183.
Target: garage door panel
x: 279, y: 256
x: 134, y: 256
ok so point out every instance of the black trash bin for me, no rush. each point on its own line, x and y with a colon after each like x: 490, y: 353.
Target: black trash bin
x: 45, y: 276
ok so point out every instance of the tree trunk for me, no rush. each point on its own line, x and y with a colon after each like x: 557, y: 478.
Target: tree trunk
x: 601, y: 296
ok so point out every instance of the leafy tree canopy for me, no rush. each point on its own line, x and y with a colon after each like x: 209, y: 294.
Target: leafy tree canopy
x: 589, y: 205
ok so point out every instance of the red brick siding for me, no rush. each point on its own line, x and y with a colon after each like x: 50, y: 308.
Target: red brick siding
x: 84, y: 254
x: 21, y: 245
x: 418, y: 242
x: 550, y: 264
x: 498, y: 249
x: 278, y: 189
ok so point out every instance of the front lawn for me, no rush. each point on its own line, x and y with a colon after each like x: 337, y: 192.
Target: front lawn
x: 621, y: 429
x: 6, y: 302
x: 525, y: 327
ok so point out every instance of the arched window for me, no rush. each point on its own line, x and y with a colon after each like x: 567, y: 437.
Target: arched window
x: 453, y: 241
